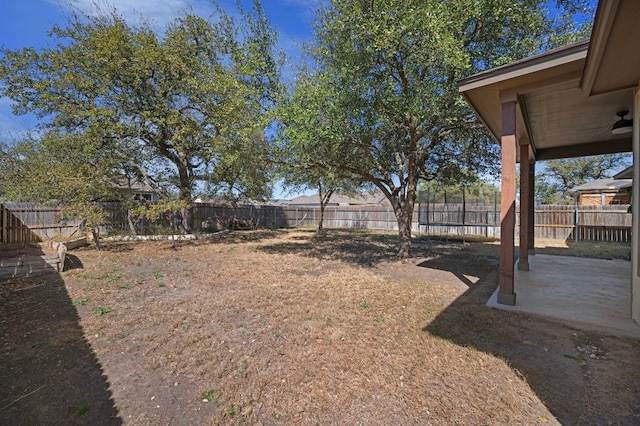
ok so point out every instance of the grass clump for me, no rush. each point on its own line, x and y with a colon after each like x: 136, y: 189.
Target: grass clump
x: 211, y: 395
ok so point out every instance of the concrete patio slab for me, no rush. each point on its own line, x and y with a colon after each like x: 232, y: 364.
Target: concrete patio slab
x: 592, y: 294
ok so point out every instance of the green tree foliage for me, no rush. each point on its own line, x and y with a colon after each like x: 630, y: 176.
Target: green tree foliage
x: 72, y: 171
x: 179, y: 108
x: 559, y: 176
x: 301, y: 131
x: 165, y: 207
x: 478, y: 193
x: 386, y: 71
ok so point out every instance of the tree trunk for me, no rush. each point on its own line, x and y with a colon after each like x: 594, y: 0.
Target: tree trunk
x: 404, y: 215
x: 132, y: 227
x: 407, y: 198
x: 322, y: 206
x: 187, y: 220
x: 173, y: 231
x: 324, y: 200
x: 404, y: 218
x: 186, y: 223
x: 96, y: 237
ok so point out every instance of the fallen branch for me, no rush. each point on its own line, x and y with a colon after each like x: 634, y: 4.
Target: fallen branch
x: 23, y: 396
x: 300, y: 221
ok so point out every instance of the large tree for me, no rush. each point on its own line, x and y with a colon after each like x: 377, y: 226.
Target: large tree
x: 302, y: 130
x: 182, y: 107
x: 388, y: 70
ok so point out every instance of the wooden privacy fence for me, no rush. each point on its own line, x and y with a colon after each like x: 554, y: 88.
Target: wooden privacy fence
x: 28, y: 222
x: 371, y: 217
x: 577, y: 223
x: 204, y: 216
x: 460, y: 218
x: 584, y: 223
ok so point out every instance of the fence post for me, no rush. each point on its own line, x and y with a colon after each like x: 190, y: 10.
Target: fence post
x: 387, y: 221
x: 3, y: 222
x: 464, y: 213
x: 575, y: 221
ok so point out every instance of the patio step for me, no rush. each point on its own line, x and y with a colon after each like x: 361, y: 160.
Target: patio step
x: 29, y: 260
x: 28, y: 266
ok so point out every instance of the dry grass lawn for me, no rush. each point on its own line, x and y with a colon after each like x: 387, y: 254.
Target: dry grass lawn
x: 283, y: 327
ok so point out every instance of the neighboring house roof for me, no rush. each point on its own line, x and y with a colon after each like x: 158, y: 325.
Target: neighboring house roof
x: 303, y: 200
x: 373, y: 197
x: 364, y: 198
x: 625, y: 174
x: 601, y: 185
x: 138, y: 190
x: 135, y: 187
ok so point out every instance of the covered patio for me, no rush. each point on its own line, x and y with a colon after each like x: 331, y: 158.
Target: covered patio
x: 560, y: 104
x: 597, y: 300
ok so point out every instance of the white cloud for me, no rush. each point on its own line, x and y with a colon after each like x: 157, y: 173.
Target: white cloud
x: 308, y: 7
x: 158, y: 12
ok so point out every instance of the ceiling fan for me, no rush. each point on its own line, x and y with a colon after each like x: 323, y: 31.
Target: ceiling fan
x: 623, y: 125
x: 620, y: 127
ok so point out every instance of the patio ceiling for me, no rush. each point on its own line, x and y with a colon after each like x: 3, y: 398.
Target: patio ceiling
x: 568, y: 98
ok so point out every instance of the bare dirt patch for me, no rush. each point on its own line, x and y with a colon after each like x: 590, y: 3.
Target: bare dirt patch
x: 284, y: 327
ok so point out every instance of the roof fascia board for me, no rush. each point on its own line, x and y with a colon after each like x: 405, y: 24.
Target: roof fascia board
x: 551, y: 59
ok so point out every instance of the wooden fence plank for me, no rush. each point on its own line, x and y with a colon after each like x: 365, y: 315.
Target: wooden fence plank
x: 29, y: 223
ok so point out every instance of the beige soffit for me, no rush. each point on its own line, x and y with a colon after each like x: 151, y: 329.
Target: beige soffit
x: 486, y: 91
x: 613, y: 62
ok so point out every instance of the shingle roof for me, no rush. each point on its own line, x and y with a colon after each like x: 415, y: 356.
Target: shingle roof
x: 369, y: 197
x: 625, y: 174
x: 602, y: 185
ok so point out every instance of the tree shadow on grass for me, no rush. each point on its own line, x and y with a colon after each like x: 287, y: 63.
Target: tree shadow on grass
x: 595, y: 250
x: 239, y: 236
x: 574, y: 387
x: 49, y: 373
x: 360, y: 247
x: 71, y: 262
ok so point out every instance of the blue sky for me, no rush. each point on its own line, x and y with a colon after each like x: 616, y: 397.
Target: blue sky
x: 26, y: 23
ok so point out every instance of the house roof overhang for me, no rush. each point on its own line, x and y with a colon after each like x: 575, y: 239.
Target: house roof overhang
x: 568, y: 97
x: 625, y: 174
x: 601, y: 186
x: 613, y: 62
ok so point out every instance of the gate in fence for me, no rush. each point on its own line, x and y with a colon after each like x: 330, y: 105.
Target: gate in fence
x: 459, y: 213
